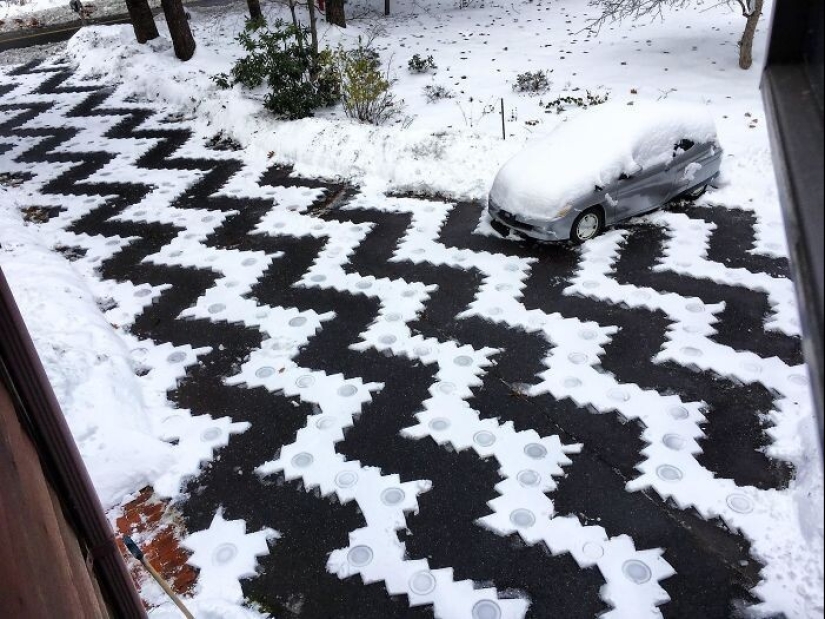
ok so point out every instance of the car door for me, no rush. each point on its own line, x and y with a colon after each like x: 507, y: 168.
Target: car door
x: 686, y: 166
x: 644, y: 191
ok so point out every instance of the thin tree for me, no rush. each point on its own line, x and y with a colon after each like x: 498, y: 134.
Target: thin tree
x: 142, y: 19
x: 255, y: 12
x: 617, y: 10
x: 313, y: 26
x: 335, y: 13
x: 178, y: 22
x: 752, y: 11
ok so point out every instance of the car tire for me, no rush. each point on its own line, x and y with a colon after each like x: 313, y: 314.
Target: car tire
x: 588, y: 225
x: 500, y: 228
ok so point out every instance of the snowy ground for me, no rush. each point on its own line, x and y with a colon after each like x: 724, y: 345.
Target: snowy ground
x: 452, y: 148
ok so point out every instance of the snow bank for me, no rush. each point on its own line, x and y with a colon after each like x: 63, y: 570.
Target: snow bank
x: 87, y: 363
x: 456, y: 162
x: 594, y: 149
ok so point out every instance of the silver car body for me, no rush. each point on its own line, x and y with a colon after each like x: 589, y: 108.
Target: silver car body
x: 688, y: 167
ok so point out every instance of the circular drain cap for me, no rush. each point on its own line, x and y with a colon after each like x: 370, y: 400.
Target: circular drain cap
x: 637, y: 572
x: 302, y: 460
x: 670, y: 473
x: 347, y: 391
x: 439, y: 425
x: 211, y: 434
x: 485, y: 609
x: 529, y: 478
x: 305, y: 381
x: 535, y: 451
x: 346, y: 479
x: 224, y: 554
x: 360, y: 556
x: 679, y: 413
x: 523, y: 518
x: 674, y: 442
x: 422, y: 583
x: 484, y: 438
x: 740, y: 503
x: 593, y: 551
x: 392, y: 496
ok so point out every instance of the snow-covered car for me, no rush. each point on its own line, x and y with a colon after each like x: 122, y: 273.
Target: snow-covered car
x: 604, y: 166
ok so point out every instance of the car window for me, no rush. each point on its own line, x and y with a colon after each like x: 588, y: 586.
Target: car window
x: 682, y: 147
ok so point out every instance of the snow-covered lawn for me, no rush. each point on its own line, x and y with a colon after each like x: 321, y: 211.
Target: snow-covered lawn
x: 452, y: 147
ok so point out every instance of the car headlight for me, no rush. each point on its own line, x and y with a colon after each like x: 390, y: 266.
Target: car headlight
x: 563, y: 212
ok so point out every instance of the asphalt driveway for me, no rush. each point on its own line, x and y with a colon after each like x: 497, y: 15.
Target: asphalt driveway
x: 441, y: 421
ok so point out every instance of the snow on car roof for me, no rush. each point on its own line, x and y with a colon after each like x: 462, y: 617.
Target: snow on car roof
x: 594, y: 149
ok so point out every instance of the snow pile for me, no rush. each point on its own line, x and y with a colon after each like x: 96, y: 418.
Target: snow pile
x: 405, y: 159
x: 87, y: 363
x: 594, y: 149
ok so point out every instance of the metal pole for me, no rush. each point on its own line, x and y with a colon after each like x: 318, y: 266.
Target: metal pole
x: 503, y: 127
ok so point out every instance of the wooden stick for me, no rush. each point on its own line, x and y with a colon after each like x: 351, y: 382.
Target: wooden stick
x: 165, y: 586
x: 137, y: 553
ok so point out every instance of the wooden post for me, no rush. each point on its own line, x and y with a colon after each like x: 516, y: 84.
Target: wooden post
x: 386, y: 7
x: 182, y: 38
x: 503, y: 126
x: 142, y: 19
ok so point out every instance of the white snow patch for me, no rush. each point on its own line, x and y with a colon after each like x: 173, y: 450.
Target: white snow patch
x: 87, y: 363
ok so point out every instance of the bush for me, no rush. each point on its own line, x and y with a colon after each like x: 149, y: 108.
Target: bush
x: 417, y: 64
x: 560, y: 104
x: 299, y: 82
x: 437, y: 92
x: 535, y: 82
x: 365, y: 89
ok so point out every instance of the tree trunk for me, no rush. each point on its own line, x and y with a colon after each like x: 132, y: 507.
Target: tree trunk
x: 255, y: 12
x: 182, y: 38
x: 386, y: 7
x: 299, y: 37
x: 142, y: 20
x: 335, y: 13
x: 313, y: 27
x: 746, y: 42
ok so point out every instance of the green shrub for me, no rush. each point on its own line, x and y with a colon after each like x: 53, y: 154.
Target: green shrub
x: 365, y: 89
x: 417, y: 64
x: 532, y: 82
x: 281, y: 57
x: 562, y: 103
x: 437, y: 92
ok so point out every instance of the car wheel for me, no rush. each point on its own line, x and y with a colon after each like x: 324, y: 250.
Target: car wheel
x: 500, y: 228
x: 696, y: 193
x: 587, y: 226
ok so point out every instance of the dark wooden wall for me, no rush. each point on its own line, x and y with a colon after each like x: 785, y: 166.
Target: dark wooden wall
x: 42, y: 570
